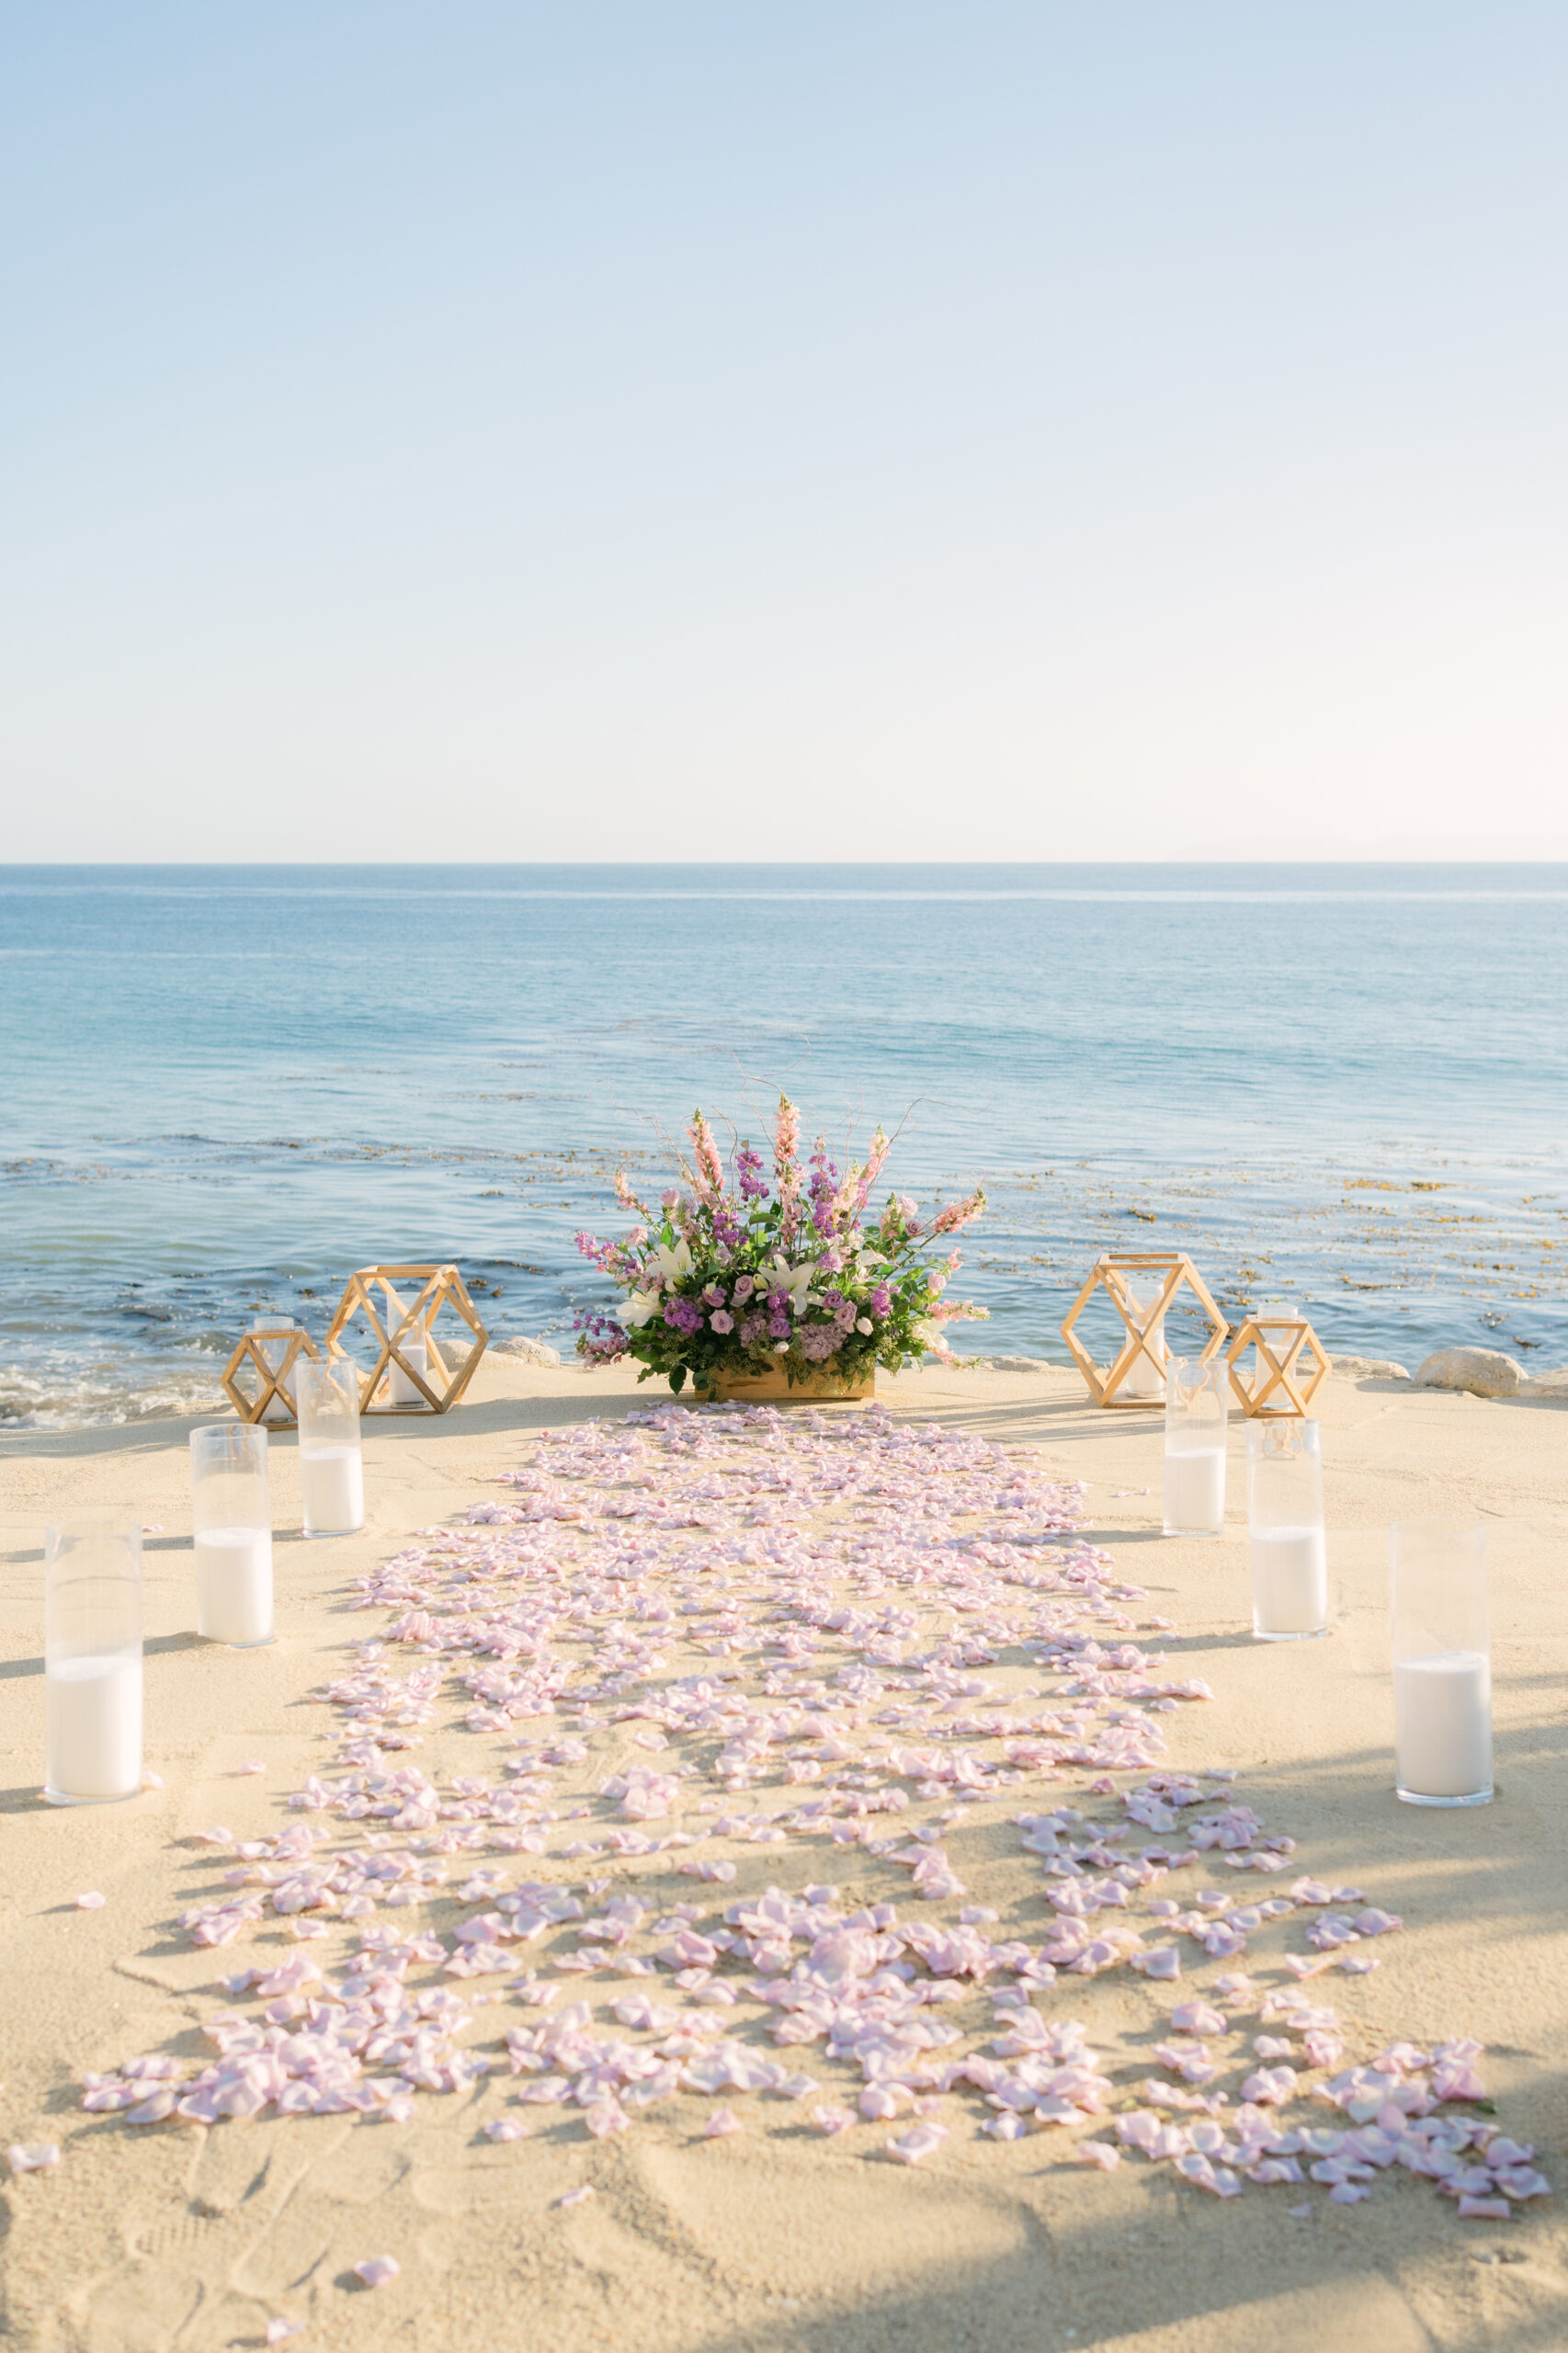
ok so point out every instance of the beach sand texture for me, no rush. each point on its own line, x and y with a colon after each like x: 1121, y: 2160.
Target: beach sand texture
x: 777, y: 2238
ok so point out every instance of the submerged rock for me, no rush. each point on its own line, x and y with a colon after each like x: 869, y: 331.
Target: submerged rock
x: 1484, y: 1372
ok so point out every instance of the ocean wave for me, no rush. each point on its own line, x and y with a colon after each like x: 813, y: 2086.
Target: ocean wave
x: 102, y: 1399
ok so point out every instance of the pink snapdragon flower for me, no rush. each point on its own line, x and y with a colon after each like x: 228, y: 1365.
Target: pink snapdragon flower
x: 710, y: 1167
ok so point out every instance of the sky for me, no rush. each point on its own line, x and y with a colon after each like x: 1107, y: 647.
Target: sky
x: 703, y: 429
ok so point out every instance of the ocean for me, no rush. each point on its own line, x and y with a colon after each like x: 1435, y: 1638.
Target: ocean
x: 223, y: 1089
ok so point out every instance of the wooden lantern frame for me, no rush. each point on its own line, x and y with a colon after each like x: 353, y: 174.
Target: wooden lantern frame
x: 297, y: 1344
x: 1281, y: 1370
x: 1109, y: 1275
x: 440, y: 1287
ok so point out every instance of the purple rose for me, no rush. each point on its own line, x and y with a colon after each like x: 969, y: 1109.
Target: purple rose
x: 880, y: 1301
x: 743, y: 1288
x: 714, y: 1294
x: 722, y: 1319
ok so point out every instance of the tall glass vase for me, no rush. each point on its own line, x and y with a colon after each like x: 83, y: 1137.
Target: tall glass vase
x: 1442, y: 1663
x: 1285, y: 1529
x: 92, y: 1661
x: 1197, y: 1418
x: 331, y: 1476
x: 232, y: 1525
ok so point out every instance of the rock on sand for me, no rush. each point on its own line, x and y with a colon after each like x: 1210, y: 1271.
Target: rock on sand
x: 1485, y: 1372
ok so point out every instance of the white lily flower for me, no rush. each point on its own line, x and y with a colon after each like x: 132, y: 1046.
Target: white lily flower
x: 636, y: 1309
x: 796, y: 1280
x: 928, y: 1334
x: 674, y: 1265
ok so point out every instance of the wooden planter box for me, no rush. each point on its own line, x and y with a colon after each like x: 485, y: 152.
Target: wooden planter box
x: 777, y: 1388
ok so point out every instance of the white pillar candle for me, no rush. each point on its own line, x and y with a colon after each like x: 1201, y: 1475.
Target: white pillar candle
x: 93, y: 1725
x: 1442, y: 1714
x: 1290, y: 1581
x: 233, y: 1585
x: 332, y: 1481
x: 415, y: 1349
x: 1195, y: 1491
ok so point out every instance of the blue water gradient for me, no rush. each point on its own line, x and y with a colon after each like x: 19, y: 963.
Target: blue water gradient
x: 223, y: 1088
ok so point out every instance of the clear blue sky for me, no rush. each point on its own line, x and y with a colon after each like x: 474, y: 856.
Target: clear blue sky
x: 850, y: 428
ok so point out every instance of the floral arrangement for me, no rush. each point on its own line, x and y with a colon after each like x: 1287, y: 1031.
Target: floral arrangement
x: 740, y: 1276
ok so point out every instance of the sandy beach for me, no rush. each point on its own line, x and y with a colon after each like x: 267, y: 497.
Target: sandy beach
x: 778, y: 2236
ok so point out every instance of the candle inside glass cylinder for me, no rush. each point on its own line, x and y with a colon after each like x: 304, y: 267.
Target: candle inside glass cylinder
x: 331, y: 1482
x: 1272, y: 1311
x: 1290, y: 1581
x: 1442, y: 1670
x: 93, y: 1725
x: 1195, y: 1491
x: 1442, y: 1713
x: 233, y: 1585
x: 1146, y: 1375
x: 331, y: 1479
x: 415, y: 1349
x: 92, y: 1657
x: 275, y: 1410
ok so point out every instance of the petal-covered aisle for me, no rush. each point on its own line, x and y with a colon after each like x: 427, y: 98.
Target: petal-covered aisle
x: 759, y: 1771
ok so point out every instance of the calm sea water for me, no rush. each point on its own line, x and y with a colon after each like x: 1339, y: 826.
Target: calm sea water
x: 223, y: 1089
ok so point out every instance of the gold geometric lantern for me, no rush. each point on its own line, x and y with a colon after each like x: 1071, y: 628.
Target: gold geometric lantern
x: 1141, y: 1286
x: 1291, y: 1365
x: 264, y: 1361
x: 410, y: 1374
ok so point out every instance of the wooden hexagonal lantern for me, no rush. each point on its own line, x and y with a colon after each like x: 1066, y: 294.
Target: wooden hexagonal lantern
x: 258, y: 1378
x: 1291, y: 1365
x: 410, y: 1375
x: 1132, y: 1280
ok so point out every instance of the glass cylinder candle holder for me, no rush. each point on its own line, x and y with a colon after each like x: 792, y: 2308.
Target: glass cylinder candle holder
x: 91, y: 1660
x: 1442, y: 1663
x: 232, y: 1524
x: 414, y: 1347
x: 1197, y: 1417
x: 1285, y: 1532
x: 275, y: 1410
x: 331, y: 1476
x: 1145, y: 1379
x: 1283, y: 1311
